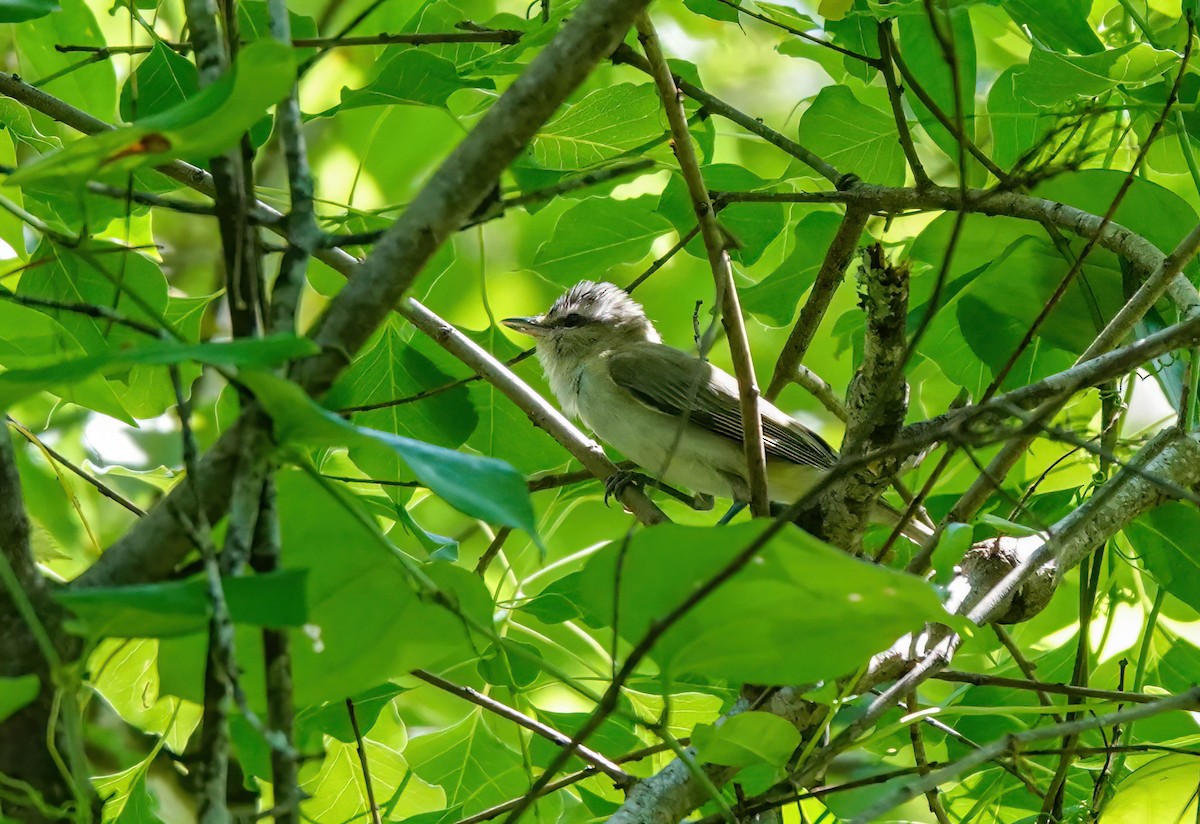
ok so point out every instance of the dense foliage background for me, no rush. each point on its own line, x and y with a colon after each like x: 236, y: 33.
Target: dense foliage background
x: 418, y: 598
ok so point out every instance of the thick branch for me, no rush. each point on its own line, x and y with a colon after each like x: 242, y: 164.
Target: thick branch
x: 877, y: 400
x: 722, y: 268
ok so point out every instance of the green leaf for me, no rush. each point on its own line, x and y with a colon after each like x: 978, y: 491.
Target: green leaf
x: 834, y: 610
x: 747, y: 739
x: 1164, y: 789
x: 254, y: 24
x: 100, y: 274
x: 18, y: 11
x: 481, y: 487
x: 410, y: 76
x: 89, y: 87
x: 1017, y: 125
x: 920, y: 49
x: 28, y: 336
x: 752, y: 225
x: 16, y: 384
x: 601, y: 126
x: 1163, y: 542
x: 1062, y: 24
x: 201, y: 126
x: 334, y: 788
x: 16, y: 693
x: 474, y: 768
x: 366, y: 623
x: 776, y: 297
x: 163, y: 79
x: 126, y: 798
x: 714, y: 9
x: 504, y: 431
x: 596, y: 234
x: 125, y: 672
x: 331, y: 718
x: 1052, y: 78
x: 389, y: 369
x: 853, y: 136
x: 161, y: 610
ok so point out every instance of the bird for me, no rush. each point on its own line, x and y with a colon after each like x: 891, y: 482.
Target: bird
x: 674, y: 414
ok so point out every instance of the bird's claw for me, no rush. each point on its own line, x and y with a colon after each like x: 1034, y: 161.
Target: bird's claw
x: 621, y: 480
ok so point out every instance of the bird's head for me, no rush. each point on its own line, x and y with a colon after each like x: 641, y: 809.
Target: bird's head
x: 588, y: 320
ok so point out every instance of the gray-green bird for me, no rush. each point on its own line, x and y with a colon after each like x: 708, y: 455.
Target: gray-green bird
x: 673, y: 414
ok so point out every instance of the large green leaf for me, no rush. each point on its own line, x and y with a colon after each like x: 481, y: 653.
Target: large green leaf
x: 1163, y: 541
x: 169, y: 608
x: 921, y: 51
x: 201, y: 126
x: 16, y: 384
x: 389, y: 369
x: 410, y: 76
x: 853, y: 136
x: 1052, y: 78
x: 747, y: 739
x: 18, y: 11
x: 601, y: 126
x: 91, y: 87
x: 752, y: 225
x: 482, y: 487
x: 1164, y: 789
x: 596, y: 234
x: 471, y: 765
x: 776, y: 297
x: 1062, y: 24
x: 831, y: 611
x: 1017, y: 125
x: 28, y: 337
x: 366, y: 621
x: 162, y: 80
x: 335, y: 790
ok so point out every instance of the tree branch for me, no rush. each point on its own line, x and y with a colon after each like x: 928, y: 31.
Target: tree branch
x: 722, y: 268
x: 829, y: 277
x: 877, y: 400
x: 151, y: 548
x: 540, y: 412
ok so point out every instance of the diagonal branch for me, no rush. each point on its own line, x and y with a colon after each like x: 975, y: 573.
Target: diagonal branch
x: 829, y: 277
x: 715, y: 244
x: 150, y: 549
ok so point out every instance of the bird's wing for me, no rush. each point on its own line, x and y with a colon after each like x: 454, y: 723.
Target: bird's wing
x: 681, y: 383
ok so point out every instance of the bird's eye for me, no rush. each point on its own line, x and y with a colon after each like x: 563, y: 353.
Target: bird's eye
x: 572, y: 320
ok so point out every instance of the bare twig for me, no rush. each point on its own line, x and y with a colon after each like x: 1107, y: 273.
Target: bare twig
x: 719, y: 262
x: 362, y: 760
x: 502, y: 36
x: 477, y: 698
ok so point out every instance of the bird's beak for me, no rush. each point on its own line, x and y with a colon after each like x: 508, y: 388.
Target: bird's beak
x: 533, y: 326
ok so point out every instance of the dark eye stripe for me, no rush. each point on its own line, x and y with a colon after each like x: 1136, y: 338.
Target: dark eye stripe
x: 572, y: 320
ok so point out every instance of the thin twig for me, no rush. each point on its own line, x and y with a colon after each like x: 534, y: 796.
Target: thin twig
x: 61, y: 459
x: 722, y: 268
x: 601, y: 763
x: 362, y: 760
x: 502, y: 36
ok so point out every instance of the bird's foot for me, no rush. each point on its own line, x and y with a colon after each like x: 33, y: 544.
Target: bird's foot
x: 621, y: 480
